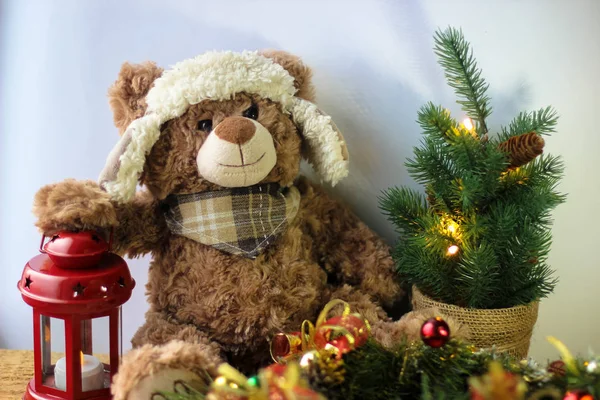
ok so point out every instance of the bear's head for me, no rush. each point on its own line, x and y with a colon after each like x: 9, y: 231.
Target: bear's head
x: 220, y: 120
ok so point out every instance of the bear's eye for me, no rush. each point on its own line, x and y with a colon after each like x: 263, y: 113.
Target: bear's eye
x: 251, y: 112
x: 205, y: 125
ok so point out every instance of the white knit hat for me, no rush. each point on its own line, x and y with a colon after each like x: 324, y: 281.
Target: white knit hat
x: 219, y: 76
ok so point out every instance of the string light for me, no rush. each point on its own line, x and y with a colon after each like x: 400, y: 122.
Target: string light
x: 452, y: 250
x: 221, y: 381
x: 452, y: 227
x: 307, y: 359
x: 468, y: 124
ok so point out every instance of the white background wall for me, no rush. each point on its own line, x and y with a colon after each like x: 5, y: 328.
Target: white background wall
x: 373, y: 68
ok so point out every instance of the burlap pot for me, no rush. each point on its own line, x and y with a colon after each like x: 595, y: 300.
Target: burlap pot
x: 508, y: 329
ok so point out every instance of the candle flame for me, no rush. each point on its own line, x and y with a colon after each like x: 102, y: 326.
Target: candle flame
x: 82, y: 358
x: 46, y: 333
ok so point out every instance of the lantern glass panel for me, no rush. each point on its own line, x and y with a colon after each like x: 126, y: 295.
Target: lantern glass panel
x: 52, y: 338
x: 95, y: 348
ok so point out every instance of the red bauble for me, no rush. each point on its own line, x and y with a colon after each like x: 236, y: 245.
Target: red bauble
x: 276, y: 369
x: 276, y: 392
x: 578, y: 395
x: 354, y: 325
x: 435, y: 332
x: 286, y: 344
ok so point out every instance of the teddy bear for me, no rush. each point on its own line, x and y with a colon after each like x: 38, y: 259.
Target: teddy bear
x: 242, y: 246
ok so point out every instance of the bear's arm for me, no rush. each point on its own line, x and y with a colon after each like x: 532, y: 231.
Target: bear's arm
x: 142, y: 227
x: 138, y: 226
x: 348, y: 250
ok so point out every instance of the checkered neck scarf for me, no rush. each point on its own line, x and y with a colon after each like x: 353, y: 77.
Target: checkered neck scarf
x: 242, y: 221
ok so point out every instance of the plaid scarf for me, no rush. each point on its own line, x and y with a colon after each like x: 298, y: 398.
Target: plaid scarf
x: 241, y: 221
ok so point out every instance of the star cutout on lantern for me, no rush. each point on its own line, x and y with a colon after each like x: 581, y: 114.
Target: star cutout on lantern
x: 28, y: 282
x: 78, y: 289
x: 121, y: 282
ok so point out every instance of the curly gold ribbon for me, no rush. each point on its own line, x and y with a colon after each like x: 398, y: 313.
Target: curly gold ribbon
x: 309, y: 330
x: 565, y: 353
x: 231, y: 381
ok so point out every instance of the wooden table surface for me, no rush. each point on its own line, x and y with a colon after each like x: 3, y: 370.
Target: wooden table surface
x: 16, y: 370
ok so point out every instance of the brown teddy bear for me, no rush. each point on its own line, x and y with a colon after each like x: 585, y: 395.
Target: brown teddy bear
x: 242, y: 248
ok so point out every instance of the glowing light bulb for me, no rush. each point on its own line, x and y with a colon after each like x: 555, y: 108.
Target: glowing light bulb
x: 452, y: 227
x: 452, y: 250
x: 468, y: 124
x: 221, y: 381
x: 307, y: 359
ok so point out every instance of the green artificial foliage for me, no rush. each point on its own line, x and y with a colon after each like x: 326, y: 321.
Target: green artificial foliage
x: 371, y: 372
x: 416, y: 371
x: 479, y: 235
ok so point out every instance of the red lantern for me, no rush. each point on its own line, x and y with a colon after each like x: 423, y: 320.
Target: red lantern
x: 75, y: 284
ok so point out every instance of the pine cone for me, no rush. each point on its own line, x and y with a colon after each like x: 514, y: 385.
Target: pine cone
x: 523, y: 148
x: 325, y: 372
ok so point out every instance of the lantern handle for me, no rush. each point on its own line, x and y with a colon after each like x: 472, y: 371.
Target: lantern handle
x: 42, y: 244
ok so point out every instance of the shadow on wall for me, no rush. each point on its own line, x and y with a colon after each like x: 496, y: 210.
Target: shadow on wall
x: 377, y: 115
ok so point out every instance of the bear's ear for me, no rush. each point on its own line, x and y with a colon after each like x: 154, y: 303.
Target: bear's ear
x: 127, y: 96
x: 295, y: 67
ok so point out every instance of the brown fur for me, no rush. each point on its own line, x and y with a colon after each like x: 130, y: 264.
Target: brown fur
x: 226, y: 307
x: 171, y: 166
x: 73, y: 204
x: 149, y: 360
x: 127, y: 96
x: 301, y: 72
x: 409, y: 328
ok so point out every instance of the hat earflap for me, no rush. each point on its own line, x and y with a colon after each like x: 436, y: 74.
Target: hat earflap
x: 327, y: 151
x: 126, y: 161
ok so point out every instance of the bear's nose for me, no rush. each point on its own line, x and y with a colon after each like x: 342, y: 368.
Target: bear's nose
x: 237, y: 130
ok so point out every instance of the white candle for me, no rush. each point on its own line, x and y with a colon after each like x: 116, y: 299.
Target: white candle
x: 92, y: 373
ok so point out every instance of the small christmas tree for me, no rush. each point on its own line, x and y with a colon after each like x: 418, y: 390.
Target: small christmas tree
x: 480, y: 235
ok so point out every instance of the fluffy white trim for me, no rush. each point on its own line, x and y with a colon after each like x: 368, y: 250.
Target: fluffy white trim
x: 211, y: 76
x: 327, y: 150
x: 218, y: 76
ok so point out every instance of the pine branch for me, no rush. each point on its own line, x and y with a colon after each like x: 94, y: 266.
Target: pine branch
x: 432, y: 166
x: 463, y: 74
x: 503, y: 215
x: 542, y: 122
x: 478, y: 270
x: 436, y: 121
x: 528, y: 278
x: 429, y: 270
x: 403, y: 207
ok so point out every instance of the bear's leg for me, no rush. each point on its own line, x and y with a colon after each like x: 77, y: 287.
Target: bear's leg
x: 390, y: 334
x: 167, y: 357
x: 359, y: 302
